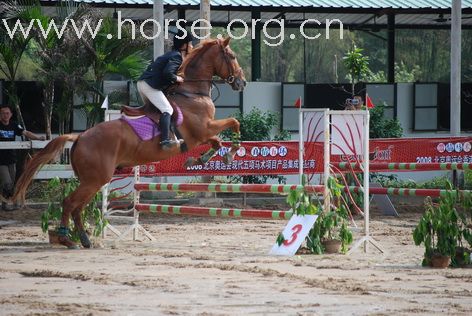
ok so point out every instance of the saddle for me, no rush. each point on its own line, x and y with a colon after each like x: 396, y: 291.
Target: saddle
x: 147, y: 110
x: 154, y: 115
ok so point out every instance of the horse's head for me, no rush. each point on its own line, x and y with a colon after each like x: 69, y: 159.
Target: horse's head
x: 213, y: 57
x: 227, y: 66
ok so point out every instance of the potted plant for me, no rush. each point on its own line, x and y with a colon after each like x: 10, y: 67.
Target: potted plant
x: 462, y: 254
x: 439, y: 231
x: 301, y: 203
x: 56, y: 191
x: 331, y: 233
x: 51, y: 217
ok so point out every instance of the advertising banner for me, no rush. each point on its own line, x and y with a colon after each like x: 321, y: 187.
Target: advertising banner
x: 282, y: 158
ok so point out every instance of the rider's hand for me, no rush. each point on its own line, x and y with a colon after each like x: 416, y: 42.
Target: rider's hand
x: 179, y: 79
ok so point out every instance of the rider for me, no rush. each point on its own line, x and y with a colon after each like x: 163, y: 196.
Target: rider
x: 159, y: 75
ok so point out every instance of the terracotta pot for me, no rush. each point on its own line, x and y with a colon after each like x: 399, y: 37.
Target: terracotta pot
x: 53, y: 237
x: 332, y: 245
x: 459, y: 257
x: 439, y: 261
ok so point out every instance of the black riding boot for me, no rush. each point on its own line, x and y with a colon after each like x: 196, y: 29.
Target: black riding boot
x: 164, y: 125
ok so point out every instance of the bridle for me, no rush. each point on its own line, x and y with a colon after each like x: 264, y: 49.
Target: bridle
x: 229, y: 80
x: 232, y: 72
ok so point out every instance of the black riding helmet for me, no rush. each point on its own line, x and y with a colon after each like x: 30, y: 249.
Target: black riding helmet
x: 180, y: 39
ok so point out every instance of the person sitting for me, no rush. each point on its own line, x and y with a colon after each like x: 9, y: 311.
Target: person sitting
x: 8, y: 131
x: 356, y: 103
x: 158, y: 76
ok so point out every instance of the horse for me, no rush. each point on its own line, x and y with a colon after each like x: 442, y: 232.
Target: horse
x: 96, y: 153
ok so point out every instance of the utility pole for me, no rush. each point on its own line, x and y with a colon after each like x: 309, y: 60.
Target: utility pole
x: 204, y: 14
x: 158, y: 16
x: 456, y: 41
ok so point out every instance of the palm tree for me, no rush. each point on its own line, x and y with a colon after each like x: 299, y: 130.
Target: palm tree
x: 63, y: 61
x: 112, y: 56
x: 13, y: 46
x: 78, y: 65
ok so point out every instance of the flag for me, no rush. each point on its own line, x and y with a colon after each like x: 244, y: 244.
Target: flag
x: 105, y: 103
x: 368, y: 102
x: 298, y: 103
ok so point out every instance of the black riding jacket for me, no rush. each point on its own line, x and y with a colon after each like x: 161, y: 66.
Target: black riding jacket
x: 163, y: 71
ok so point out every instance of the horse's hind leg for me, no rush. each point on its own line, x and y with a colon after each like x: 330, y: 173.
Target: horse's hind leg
x: 73, y: 205
x: 204, y: 158
x: 217, y: 126
x: 77, y: 216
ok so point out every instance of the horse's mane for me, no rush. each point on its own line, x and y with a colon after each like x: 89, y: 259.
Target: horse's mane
x: 201, y: 48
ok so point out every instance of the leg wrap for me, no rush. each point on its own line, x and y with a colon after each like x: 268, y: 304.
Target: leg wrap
x: 207, y: 156
x: 63, y: 231
x: 236, y: 140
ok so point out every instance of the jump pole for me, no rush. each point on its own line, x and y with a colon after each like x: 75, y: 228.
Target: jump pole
x: 227, y: 188
x: 386, y: 167
x: 285, y: 188
x: 214, y: 211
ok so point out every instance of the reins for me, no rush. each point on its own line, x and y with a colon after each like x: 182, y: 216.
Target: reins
x: 189, y: 94
x: 229, y: 80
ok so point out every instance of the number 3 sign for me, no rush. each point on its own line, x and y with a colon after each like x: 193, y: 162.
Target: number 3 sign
x: 294, y: 234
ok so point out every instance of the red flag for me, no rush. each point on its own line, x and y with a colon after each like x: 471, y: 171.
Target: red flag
x: 298, y: 103
x: 368, y: 102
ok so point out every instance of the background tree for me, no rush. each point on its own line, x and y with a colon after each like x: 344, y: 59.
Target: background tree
x: 257, y: 126
x: 381, y: 127
x: 357, y: 65
x: 63, y: 61
x: 124, y: 57
x: 12, y: 48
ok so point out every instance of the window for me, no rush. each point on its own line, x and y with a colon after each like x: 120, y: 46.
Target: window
x: 228, y: 102
x: 425, y: 108
x: 290, y: 93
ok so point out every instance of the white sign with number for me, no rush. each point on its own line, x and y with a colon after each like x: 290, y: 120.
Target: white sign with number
x: 294, y: 234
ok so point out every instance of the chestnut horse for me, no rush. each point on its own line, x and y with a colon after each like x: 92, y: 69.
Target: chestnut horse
x: 97, y: 152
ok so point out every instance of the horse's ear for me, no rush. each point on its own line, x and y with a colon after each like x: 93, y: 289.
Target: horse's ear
x: 226, y: 41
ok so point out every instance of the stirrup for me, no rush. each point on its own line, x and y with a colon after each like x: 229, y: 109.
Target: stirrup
x: 169, y: 144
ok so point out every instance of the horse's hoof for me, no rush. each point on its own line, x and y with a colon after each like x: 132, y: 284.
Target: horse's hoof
x: 84, y: 240
x: 228, y: 159
x: 65, y: 241
x: 190, y: 162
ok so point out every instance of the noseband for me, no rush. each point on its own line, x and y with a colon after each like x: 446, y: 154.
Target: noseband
x: 231, y: 77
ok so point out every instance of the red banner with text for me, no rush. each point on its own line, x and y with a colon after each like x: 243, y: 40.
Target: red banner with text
x: 282, y: 158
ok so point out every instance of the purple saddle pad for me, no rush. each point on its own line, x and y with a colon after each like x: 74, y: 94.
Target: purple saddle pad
x: 145, y: 128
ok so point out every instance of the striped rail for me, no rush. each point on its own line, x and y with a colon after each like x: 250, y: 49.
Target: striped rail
x: 413, y: 192
x: 405, y: 166
x: 226, y: 188
x: 213, y: 211
x: 276, y: 188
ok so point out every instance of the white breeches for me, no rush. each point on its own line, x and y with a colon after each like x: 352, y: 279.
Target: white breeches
x: 156, y: 97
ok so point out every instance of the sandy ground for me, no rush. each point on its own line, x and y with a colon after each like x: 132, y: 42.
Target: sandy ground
x: 201, y: 266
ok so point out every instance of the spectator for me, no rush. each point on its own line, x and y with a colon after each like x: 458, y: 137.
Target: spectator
x: 8, y: 131
x: 356, y: 103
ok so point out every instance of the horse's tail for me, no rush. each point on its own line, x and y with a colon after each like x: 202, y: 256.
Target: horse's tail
x: 48, y: 153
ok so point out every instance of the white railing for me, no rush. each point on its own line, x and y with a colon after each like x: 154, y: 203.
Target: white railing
x: 48, y: 171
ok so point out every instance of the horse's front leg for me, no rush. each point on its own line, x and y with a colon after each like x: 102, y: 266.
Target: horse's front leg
x: 204, y: 158
x: 217, y: 126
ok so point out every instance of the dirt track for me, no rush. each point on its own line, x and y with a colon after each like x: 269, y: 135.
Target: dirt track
x: 220, y: 267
